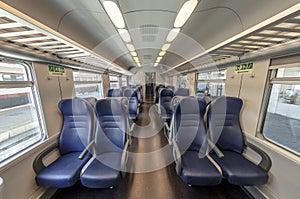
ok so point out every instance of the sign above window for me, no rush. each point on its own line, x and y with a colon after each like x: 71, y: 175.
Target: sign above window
x: 56, y: 70
x: 244, y: 68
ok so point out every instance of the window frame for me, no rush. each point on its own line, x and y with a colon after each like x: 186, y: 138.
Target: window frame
x: 272, y: 79
x: 114, y: 81
x: 212, y: 80
x: 100, y: 82
x: 31, y: 83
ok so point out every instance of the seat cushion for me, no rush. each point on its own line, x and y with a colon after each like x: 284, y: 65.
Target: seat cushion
x: 63, y: 172
x: 102, y: 171
x: 196, y: 171
x: 239, y: 170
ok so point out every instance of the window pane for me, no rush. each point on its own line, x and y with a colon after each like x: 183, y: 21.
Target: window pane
x: 215, y: 75
x: 210, y: 89
x: 88, y: 90
x: 12, y: 72
x: 282, y: 122
x: 86, y: 77
x: 124, y: 81
x: 113, y: 78
x: 88, y: 85
x: 182, y: 81
x: 19, y: 125
x: 288, y: 72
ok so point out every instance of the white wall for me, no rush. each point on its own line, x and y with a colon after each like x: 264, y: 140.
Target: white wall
x: 285, y: 171
x: 18, y: 175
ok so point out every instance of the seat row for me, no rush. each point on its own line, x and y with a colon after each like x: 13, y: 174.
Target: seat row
x: 133, y: 96
x: 208, y: 143
x: 92, y: 145
x: 178, y: 92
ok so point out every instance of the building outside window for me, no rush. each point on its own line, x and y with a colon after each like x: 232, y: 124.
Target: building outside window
x: 211, y: 83
x: 88, y: 85
x: 21, y: 119
x: 282, y: 119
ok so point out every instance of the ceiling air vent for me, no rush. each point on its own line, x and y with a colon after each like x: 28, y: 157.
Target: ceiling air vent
x: 149, y: 29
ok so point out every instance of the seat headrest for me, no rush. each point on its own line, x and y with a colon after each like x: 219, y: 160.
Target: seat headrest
x: 109, y: 107
x: 190, y: 105
x: 75, y: 106
x: 166, y: 92
x: 130, y: 93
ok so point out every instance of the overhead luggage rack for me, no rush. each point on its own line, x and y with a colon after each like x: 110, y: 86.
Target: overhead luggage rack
x: 283, y: 28
x: 28, y: 34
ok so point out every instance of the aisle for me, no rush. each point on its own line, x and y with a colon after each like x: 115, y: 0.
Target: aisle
x: 151, y: 176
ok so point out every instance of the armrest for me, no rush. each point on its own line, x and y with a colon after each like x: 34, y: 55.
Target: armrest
x: 266, y: 161
x: 177, y: 157
x: 215, y: 148
x: 85, y: 151
x: 38, y: 164
x: 167, y: 126
x: 124, y: 159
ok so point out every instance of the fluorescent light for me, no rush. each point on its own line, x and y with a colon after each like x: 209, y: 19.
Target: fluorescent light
x: 124, y: 35
x: 165, y: 47
x: 185, y: 12
x: 114, y: 13
x: 136, y: 59
x: 156, y: 64
x: 130, y: 47
x: 173, y: 34
x: 138, y: 64
x: 134, y: 54
x: 158, y: 59
x: 162, y: 53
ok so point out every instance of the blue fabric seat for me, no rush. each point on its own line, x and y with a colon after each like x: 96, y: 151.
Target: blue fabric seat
x: 132, y: 96
x: 225, y: 131
x: 165, y: 99
x: 157, y: 88
x: 77, y: 131
x: 182, y: 92
x: 114, y: 93
x: 109, y: 147
x: 190, y: 144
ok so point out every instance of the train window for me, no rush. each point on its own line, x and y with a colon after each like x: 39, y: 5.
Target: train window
x: 114, y: 82
x: 88, y: 85
x: 182, y: 81
x: 282, y: 120
x: 21, y: 124
x: 211, y: 83
x: 124, y: 81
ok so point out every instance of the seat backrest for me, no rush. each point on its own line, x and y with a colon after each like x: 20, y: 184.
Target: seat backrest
x: 223, y: 118
x: 189, y: 129
x: 182, y: 92
x: 165, y: 98
x: 112, y: 125
x: 78, y: 125
x: 157, y: 88
x: 171, y: 87
x: 114, y: 93
x: 132, y: 96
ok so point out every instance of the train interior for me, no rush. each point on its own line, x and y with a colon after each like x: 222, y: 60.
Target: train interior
x: 149, y: 99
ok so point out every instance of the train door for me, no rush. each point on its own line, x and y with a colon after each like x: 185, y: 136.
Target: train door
x: 150, y: 78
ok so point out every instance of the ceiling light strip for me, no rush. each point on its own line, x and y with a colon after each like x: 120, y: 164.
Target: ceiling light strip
x: 268, y: 22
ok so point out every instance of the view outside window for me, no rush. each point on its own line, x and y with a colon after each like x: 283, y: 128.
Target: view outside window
x: 211, y: 83
x: 282, y: 121
x: 21, y: 123
x: 124, y: 81
x: 182, y: 81
x: 88, y: 85
x: 114, y: 82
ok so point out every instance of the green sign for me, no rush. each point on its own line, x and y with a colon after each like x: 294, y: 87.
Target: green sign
x: 56, y: 70
x: 244, y: 68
